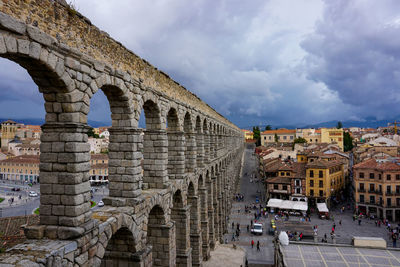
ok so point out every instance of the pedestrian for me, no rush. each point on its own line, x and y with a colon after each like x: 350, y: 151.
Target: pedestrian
x: 340, y: 222
x: 394, y: 238
x: 376, y: 223
x: 238, y: 226
x: 258, y: 245
x: 252, y: 243
x: 233, y: 236
x: 251, y: 222
x: 379, y: 223
x: 359, y: 221
x: 301, y: 236
x: 333, y: 229
x: 334, y: 226
x: 233, y: 225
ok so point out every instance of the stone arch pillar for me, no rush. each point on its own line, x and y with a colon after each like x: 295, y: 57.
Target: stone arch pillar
x: 161, y: 237
x: 206, y: 143
x: 204, y: 220
x: 64, y: 179
x: 180, y: 214
x: 210, y: 202
x: 195, y: 227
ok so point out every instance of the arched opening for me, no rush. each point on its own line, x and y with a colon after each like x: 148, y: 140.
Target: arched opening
x: 120, y: 250
x: 206, y: 142
x: 176, y: 148
x: 155, y: 150
x: 199, y: 142
x: 158, y: 236
x: 190, y: 141
x: 181, y: 216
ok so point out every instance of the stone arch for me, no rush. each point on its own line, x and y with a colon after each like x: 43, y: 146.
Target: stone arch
x: 155, y: 147
x: 194, y: 225
x: 159, y: 235
x: 176, y: 148
x: 181, y: 216
x: 199, y: 142
x: 190, y: 143
x: 202, y: 193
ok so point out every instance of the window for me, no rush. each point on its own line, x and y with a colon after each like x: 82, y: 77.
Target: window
x: 388, y: 189
x: 379, y: 176
x: 371, y: 187
x: 282, y: 174
x: 388, y: 177
x: 287, y: 173
x: 310, y: 140
x: 270, y: 138
x: 371, y: 175
x: 265, y: 138
x: 284, y: 187
x: 380, y: 188
x: 361, y: 186
x: 321, y: 193
x: 275, y: 186
x: 311, y: 173
x: 298, y: 191
x: 389, y: 202
x: 291, y: 137
x: 297, y: 182
x: 361, y: 198
x: 321, y: 174
x: 311, y: 183
x: 372, y: 199
x: 321, y: 184
x: 361, y: 175
x: 397, y: 189
x: 284, y: 137
x: 311, y: 192
x: 397, y: 176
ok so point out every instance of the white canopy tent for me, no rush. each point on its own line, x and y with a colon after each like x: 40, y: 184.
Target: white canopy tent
x: 322, y: 207
x: 287, y: 204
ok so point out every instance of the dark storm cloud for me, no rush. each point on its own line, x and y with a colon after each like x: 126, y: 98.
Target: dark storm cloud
x: 355, y: 51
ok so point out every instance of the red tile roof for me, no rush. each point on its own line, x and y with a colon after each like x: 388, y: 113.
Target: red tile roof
x: 381, y: 166
x: 280, y: 131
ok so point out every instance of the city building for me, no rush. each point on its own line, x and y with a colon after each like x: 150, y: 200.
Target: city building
x: 324, y: 177
x: 278, y: 136
x: 377, y: 188
x: 21, y: 168
x: 248, y: 135
x: 8, y: 131
x: 332, y: 135
x: 98, y: 169
x: 312, y: 136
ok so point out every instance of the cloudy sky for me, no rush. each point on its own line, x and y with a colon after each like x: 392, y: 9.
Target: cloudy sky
x: 261, y: 61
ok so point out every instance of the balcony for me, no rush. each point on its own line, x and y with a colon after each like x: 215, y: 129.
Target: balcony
x: 361, y: 190
x: 372, y: 191
x: 389, y: 193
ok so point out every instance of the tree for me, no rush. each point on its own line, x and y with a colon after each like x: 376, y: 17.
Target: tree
x: 257, y: 135
x: 268, y: 127
x: 339, y: 125
x: 347, y: 141
x: 276, y: 138
x: 92, y: 134
x: 299, y: 140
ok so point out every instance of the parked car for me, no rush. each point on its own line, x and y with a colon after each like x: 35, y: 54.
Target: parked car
x: 101, y: 203
x: 257, y: 229
x: 33, y: 194
x: 16, y: 189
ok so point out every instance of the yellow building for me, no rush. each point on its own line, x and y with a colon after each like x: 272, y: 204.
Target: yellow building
x: 248, y: 135
x: 332, y: 136
x: 8, y: 131
x: 324, y: 177
x: 99, y: 169
x: 312, y: 136
x: 22, y: 168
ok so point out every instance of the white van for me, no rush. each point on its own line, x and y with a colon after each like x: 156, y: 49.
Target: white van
x: 257, y: 229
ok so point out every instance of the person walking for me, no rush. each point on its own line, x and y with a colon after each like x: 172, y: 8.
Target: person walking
x: 233, y: 225
x: 252, y: 243
x: 258, y: 245
x: 340, y: 222
x: 394, y: 239
x: 359, y: 221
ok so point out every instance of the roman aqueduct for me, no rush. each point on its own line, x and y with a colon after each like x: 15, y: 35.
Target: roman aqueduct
x: 170, y: 184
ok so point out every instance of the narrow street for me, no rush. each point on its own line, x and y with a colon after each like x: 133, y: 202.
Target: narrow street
x: 251, y: 188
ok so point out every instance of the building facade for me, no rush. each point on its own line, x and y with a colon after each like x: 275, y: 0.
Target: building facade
x: 8, y: 131
x: 278, y: 136
x: 377, y: 188
x: 99, y: 169
x: 331, y: 136
x: 21, y: 168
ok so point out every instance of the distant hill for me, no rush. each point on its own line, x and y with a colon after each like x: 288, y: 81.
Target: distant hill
x: 35, y: 121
